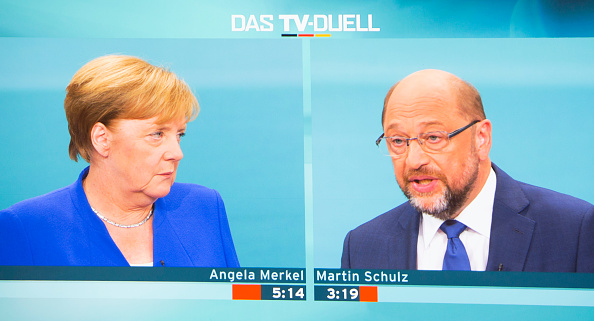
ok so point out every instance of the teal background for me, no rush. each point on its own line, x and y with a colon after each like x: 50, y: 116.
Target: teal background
x: 287, y: 126
x: 163, y: 309
x: 246, y: 142
x: 209, y: 19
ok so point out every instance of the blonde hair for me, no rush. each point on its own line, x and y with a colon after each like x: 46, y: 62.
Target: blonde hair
x: 122, y: 87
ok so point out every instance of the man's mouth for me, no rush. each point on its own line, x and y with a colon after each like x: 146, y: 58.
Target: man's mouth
x: 423, y: 184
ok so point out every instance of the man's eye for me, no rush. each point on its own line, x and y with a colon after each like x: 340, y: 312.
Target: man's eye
x: 398, y: 141
x: 180, y: 135
x: 434, y: 138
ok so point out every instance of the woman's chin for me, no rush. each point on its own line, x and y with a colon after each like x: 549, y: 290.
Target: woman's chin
x: 158, y: 192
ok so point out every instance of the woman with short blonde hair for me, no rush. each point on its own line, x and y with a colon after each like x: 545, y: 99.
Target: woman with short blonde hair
x: 126, y: 118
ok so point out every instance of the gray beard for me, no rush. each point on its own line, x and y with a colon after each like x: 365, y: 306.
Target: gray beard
x: 448, y: 203
x: 451, y: 200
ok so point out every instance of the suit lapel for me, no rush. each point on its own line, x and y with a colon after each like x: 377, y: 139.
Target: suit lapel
x: 511, y: 232
x: 403, y: 244
x: 168, y: 250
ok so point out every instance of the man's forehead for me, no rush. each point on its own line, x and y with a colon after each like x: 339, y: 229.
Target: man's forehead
x: 420, y: 103
x: 401, y: 125
x: 425, y: 91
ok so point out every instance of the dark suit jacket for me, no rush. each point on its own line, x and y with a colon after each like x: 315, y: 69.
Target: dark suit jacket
x: 533, y: 229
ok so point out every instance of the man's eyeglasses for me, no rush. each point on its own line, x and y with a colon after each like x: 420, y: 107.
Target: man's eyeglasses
x: 430, y: 142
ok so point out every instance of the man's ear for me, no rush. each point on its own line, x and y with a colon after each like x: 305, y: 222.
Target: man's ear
x: 101, y: 139
x: 483, y: 139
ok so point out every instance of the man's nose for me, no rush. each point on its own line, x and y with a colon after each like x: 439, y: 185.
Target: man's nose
x: 416, y: 157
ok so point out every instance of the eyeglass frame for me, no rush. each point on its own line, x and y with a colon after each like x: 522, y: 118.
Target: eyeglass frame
x: 450, y: 135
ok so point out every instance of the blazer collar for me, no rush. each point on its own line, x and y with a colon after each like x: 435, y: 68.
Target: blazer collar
x: 403, y: 245
x: 511, y: 231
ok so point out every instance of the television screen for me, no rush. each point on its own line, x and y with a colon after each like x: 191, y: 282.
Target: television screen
x: 291, y: 99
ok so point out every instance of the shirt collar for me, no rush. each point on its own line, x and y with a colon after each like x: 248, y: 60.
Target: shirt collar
x: 476, y: 216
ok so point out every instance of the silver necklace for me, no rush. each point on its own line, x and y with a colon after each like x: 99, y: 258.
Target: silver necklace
x: 105, y: 219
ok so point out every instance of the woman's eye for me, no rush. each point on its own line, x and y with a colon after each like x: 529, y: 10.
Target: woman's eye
x: 180, y: 135
x: 157, y: 134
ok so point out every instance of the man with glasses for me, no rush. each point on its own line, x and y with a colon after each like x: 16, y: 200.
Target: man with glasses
x: 464, y: 213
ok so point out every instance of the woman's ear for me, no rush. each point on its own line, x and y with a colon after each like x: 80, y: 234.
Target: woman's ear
x: 101, y: 139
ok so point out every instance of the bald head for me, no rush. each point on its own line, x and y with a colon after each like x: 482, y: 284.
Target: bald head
x: 438, y: 175
x: 437, y: 84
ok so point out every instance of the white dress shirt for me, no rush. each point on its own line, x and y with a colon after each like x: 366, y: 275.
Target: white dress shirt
x: 477, y: 216
x: 149, y: 264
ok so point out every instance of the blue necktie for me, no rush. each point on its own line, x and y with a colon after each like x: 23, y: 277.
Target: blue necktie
x: 455, y: 257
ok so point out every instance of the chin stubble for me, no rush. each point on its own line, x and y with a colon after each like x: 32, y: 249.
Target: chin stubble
x: 451, y: 200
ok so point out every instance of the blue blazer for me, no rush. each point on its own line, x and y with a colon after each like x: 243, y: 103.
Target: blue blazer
x: 533, y: 229
x: 190, y: 228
